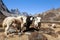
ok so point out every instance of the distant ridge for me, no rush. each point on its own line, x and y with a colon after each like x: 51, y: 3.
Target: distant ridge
x: 50, y: 15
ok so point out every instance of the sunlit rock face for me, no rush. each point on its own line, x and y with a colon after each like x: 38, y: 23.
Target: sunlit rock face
x: 3, y: 7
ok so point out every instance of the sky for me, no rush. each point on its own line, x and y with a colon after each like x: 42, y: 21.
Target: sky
x: 32, y: 6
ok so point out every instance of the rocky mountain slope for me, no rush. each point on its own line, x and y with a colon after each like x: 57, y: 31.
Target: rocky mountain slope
x: 51, y: 15
x: 4, y: 10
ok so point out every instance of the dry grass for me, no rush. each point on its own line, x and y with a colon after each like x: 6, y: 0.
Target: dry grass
x: 45, y: 32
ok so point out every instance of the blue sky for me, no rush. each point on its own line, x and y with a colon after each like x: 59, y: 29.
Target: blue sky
x: 32, y: 6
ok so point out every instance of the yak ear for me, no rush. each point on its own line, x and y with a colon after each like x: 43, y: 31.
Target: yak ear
x: 22, y: 19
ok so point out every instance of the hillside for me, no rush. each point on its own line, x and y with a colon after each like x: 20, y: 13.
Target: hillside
x: 50, y: 15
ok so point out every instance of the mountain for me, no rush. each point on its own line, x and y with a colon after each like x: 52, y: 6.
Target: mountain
x: 50, y: 15
x: 3, y: 7
x: 4, y: 12
x: 15, y: 12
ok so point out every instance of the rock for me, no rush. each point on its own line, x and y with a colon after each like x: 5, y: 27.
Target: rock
x: 48, y: 31
x: 37, y: 36
x: 3, y: 6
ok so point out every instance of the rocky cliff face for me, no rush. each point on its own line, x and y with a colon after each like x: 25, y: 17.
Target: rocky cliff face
x: 3, y: 7
x: 4, y: 10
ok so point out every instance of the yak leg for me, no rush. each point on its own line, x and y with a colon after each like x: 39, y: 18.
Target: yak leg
x: 6, y: 30
x: 39, y: 25
x: 22, y: 28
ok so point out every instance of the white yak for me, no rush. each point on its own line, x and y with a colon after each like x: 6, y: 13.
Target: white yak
x: 7, y: 23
